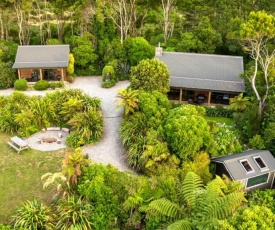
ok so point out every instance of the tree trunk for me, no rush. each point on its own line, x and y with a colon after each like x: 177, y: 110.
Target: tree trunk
x: 166, y: 6
x: 2, y: 31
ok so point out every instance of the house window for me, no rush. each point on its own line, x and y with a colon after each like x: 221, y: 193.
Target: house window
x: 259, y: 161
x: 247, y: 167
x: 257, y: 180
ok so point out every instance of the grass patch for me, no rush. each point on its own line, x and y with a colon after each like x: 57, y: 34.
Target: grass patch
x: 20, y: 176
x: 222, y: 120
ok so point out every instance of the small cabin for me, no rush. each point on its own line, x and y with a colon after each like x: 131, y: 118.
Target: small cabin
x: 254, y: 168
x: 42, y: 62
x: 206, y: 78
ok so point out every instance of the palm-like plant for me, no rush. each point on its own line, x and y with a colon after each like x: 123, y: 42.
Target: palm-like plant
x: 70, y: 107
x: 239, y: 103
x: 42, y: 110
x: 73, y: 213
x: 33, y: 215
x: 88, y: 125
x: 129, y: 100
x: 201, y: 207
x: 72, y: 165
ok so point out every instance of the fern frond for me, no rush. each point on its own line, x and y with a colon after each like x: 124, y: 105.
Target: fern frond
x: 222, y: 207
x: 211, y: 223
x: 181, y: 225
x: 132, y: 202
x: 192, y: 186
x: 163, y: 207
x: 216, y: 188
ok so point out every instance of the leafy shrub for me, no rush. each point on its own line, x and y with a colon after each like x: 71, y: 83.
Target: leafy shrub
x: 108, y: 73
x: 200, y: 166
x: 256, y: 142
x: 108, y: 84
x: 32, y: 215
x: 41, y: 85
x: 4, y: 227
x: 70, y: 69
x: 265, y: 198
x: 7, y: 76
x: 21, y: 84
x: 70, y: 79
x: 253, y: 218
x: 218, y: 111
x: 227, y: 140
x: 88, y: 125
x: 150, y: 75
x: 187, y: 134
x: 54, y: 85
x: 108, y: 77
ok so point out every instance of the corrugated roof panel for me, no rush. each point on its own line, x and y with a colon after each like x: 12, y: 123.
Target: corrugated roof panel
x: 43, y: 56
x: 199, y: 71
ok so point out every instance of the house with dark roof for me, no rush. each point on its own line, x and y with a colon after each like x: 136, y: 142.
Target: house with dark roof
x: 37, y: 62
x: 207, y: 77
x: 254, y: 168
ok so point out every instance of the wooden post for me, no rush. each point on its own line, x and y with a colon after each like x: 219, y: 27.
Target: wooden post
x: 180, y: 95
x: 62, y: 74
x: 41, y: 74
x: 209, y: 98
x: 19, y: 75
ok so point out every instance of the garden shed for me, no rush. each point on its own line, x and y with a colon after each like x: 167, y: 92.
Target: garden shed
x: 254, y: 168
x: 206, y: 77
x: 38, y: 62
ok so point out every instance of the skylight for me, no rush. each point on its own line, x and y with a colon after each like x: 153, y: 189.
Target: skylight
x: 259, y: 161
x: 247, y: 167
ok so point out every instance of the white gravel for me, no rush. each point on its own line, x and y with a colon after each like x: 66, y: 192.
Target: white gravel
x: 33, y: 141
x: 109, y: 149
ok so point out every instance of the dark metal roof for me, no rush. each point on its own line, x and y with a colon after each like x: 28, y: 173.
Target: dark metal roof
x: 236, y: 170
x: 42, y: 56
x: 204, y: 71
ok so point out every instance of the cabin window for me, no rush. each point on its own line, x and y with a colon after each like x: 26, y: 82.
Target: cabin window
x: 247, y: 167
x: 257, y: 180
x: 259, y: 161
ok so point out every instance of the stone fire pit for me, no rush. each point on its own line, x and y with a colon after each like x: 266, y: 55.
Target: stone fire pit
x: 49, y: 140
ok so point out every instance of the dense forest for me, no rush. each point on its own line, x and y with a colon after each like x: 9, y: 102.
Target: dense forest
x: 168, y: 145
x: 101, y: 27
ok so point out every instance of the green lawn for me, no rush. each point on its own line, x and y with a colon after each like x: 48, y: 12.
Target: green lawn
x: 20, y: 176
x: 225, y: 120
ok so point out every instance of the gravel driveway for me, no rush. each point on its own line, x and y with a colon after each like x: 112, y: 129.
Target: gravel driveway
x: 109, y: 149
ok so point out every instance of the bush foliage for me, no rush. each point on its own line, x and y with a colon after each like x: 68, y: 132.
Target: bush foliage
x: 7, y: 75
x: 150, y: 75
x: 21, y: 84
x: 41, y: 85
x: 67, y: 108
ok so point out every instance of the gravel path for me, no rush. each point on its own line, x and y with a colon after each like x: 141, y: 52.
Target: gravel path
x: 109, y: 149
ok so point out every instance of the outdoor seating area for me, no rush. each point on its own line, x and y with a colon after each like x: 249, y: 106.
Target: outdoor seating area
x: 18, y: 144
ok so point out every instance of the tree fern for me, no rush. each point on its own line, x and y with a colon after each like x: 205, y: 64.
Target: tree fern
x: 181, y: 225
x: 192, y: 185
x: 222, y: 207
x: 163, y: 207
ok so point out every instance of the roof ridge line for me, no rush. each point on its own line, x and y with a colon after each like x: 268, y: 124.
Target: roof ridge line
x: 207, y: 79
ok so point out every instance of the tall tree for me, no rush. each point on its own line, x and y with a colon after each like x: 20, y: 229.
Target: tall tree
x: 258, y: 33
x: 167, y: 7
x: 123, y: 14
x: 23, y: 12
